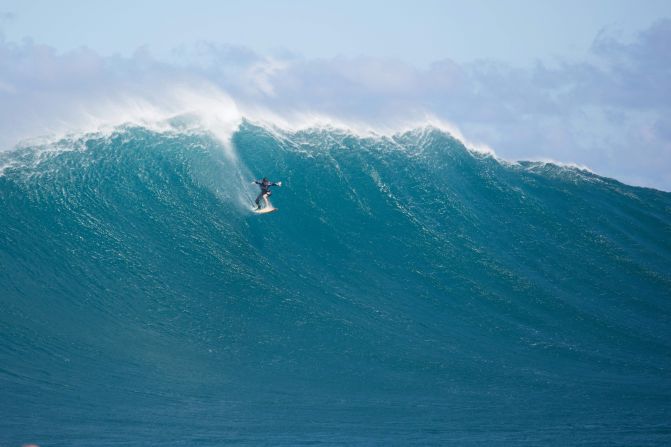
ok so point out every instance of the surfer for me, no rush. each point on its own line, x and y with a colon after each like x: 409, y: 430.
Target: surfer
x: 265, y: 185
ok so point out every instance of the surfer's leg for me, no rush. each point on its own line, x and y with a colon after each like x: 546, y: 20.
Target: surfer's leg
x: 265, y: 198
x: 257, y: 199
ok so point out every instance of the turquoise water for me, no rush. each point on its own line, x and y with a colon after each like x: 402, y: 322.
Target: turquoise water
x: 407, y: 292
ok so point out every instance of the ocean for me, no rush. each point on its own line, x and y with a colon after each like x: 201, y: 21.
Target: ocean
x: 409, y: 291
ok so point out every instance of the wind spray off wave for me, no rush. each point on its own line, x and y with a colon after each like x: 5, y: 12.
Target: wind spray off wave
x: 410, y: 291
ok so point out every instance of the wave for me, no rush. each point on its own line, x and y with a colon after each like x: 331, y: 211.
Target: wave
x: 409, y: 290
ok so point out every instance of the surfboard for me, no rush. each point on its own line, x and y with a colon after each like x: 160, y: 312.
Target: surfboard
x: 265, y: 210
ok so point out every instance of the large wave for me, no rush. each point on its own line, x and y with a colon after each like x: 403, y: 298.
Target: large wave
x: 409, y: 290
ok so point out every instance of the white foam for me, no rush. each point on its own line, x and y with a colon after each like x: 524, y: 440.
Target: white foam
x: 304, y: 120
x: 212, y: 108
x: 549, y: 161
x: 216, y: 112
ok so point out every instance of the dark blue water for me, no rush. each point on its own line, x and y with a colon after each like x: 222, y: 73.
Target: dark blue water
x: 407, y: 292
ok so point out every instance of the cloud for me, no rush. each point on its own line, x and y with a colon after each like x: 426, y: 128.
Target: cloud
x: 7, y: 16
x: 608, y: 111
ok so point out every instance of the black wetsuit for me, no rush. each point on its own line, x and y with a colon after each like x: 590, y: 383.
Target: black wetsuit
x: 265, y: 189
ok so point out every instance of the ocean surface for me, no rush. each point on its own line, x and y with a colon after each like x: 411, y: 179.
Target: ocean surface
x: 409, y: 291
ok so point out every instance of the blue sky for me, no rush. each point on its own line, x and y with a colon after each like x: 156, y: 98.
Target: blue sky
x: 584, y: 82
x: 417, y: 32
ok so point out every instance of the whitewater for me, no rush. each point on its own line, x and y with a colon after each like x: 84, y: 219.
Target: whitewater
x: 410, y: 291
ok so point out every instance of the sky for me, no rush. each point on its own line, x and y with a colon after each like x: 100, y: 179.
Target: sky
x: 417, y: 32
x: 585, y: 82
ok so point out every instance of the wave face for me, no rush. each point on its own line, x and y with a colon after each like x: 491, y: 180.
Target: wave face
x: 407, y: 292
